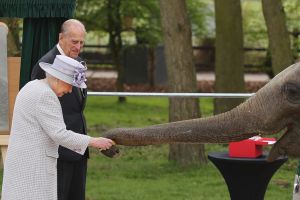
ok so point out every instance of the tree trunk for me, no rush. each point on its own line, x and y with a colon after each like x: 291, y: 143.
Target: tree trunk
x: 280, y: 45
x: 229, y: 53
x: 115, y: 41
x: 181, y: 75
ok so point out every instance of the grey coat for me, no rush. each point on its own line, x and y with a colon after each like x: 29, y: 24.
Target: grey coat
x: 37, y: 130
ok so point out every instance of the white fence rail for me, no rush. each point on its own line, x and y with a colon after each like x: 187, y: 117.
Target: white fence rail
x: 177, y: 95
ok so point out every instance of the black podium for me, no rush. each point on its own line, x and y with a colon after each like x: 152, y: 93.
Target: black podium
x: 246, y: 178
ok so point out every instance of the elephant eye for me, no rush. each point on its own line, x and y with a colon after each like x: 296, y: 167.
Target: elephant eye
x: 292, y: 91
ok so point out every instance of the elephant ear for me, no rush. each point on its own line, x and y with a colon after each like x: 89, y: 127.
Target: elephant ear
x: 292, y: 92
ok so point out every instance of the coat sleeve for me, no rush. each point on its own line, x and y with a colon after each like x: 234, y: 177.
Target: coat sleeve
x: 49, y: 115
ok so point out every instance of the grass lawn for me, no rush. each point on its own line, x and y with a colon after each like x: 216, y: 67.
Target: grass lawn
x: 145, y: 172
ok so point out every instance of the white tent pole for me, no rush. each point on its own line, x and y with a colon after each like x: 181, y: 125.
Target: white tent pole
x: 4, y: 107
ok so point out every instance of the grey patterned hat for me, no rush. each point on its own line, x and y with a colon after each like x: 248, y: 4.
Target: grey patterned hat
x: 67, y: 69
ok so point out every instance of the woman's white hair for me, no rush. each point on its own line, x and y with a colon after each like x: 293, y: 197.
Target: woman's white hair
x: 50, y: 77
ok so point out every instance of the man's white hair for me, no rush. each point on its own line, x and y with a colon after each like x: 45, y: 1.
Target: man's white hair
x: 72, y: 22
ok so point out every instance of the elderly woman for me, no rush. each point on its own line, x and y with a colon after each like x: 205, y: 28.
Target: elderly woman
x: 38, y: 129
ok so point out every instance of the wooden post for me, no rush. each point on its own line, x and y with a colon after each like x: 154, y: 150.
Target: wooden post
x: 13, y: 71
x: 4, y: 145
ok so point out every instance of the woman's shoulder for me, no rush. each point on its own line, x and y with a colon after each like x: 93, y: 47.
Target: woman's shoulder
x: 36, y: 88
x: 34, y: 93
x: 35, y: 85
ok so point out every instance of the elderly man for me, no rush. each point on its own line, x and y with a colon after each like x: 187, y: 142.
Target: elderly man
x: 71, y: 167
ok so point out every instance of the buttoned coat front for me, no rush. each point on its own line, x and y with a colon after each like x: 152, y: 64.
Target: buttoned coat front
x: 37, y: 130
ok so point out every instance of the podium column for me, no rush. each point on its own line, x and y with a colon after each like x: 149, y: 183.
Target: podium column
x: 246, y: 178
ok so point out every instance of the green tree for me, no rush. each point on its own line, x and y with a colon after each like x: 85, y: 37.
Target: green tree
x: 115, y: 41
x: 181, y: 75
x: 292, y: 10
x: 229, y: 67
x: 254, y: 28
x: 279, y: 40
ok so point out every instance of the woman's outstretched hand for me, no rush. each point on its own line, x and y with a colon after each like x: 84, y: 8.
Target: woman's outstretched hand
x: 101, y: 143
x: 106, y: 146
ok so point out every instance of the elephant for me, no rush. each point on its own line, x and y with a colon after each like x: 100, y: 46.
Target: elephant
x: 274, y: 107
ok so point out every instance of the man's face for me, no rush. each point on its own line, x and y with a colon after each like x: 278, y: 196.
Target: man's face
x: 72, y: 41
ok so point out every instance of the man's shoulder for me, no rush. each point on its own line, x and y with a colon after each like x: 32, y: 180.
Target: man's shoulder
x: 37, y: 72
x: 50, y: 55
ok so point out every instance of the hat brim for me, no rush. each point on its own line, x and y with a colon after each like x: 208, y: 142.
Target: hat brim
x: 59, y: 75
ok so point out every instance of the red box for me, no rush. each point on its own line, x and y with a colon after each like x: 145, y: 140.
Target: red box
x: 249, y: 148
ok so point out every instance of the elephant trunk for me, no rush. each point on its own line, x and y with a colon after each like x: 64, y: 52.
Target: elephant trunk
x: 234, y: 125
x: 255, y: 116
x: 172, y: 133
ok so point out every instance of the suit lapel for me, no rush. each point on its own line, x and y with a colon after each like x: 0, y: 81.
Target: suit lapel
x: 78, y: 95
x: 84, y: 91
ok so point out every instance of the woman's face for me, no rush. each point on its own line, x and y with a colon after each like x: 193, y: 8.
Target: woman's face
x: 60, y: 88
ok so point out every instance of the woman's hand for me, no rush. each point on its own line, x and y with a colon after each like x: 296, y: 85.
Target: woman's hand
x: 101, y: 143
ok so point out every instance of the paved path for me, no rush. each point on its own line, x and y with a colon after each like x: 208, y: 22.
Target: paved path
x: 207, y: 76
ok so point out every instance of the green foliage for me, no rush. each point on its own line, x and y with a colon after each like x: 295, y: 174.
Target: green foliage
x: 201, y: 14
x: 143, y: 19
x: 93, y: 13
x: 140, y: 17
x: 255, y: 31
x: 145, y: 16
x: 292, y: 11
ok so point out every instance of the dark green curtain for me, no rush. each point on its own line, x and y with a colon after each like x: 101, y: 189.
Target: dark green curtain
x: 37, y: 8
x: 39, y: 36
x: 42, y: 21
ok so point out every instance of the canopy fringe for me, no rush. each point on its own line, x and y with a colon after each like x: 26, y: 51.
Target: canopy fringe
x: 37, y: 8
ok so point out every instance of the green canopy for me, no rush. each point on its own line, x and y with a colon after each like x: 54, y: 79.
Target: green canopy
x: 41, y: 25
x: 37, y: 8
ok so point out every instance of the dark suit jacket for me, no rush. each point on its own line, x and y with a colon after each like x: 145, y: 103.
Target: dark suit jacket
x: 72, y: 106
